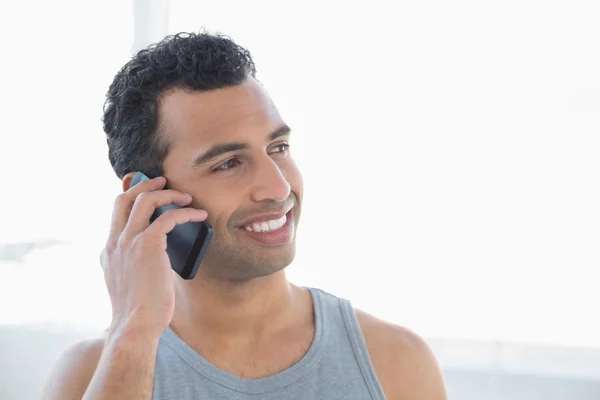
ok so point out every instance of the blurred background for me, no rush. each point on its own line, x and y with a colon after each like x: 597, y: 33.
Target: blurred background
x: 450, y: 153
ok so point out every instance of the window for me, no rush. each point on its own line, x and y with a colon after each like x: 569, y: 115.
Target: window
x: 58, y: 186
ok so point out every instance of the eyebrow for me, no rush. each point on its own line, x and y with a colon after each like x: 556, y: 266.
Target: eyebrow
x: 223, y: 148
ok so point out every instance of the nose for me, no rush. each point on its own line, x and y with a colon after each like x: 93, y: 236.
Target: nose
x: 270, y: 183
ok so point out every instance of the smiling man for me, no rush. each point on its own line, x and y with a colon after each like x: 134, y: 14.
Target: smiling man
x: 190, y: 113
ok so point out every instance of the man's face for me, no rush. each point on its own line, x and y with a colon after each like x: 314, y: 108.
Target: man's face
x: 229, y: 150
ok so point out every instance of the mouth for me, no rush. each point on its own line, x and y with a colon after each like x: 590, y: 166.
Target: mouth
x: 266, y: 224
x: 270, y: 230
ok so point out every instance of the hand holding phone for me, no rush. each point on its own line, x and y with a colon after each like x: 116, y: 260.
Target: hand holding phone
x: 186, y: 243
x: 137, y: 266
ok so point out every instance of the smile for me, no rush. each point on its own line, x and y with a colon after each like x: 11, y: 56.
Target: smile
x: 266, y: 226
x: 272, y: 231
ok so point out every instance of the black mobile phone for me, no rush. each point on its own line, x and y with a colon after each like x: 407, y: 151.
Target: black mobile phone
x: 186, y: 243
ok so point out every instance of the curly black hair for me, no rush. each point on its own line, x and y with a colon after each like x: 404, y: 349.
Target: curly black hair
x: 191, y: 61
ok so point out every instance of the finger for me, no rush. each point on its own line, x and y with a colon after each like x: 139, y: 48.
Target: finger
x: 171, y: 218
x: 124, y: 203
x: 145, y: 205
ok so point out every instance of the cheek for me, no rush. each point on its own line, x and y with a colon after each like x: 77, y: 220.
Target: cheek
x: 218, y: 203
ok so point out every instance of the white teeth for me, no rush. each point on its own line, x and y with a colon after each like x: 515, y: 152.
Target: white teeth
x: 267, y: 226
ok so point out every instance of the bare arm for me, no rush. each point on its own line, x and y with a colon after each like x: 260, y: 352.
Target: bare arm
x: 403, y: 362
x: 125, y: 369
x: 73, y: 371
x: 118, y: 367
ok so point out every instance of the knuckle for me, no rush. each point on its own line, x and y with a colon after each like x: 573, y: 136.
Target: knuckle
x: 175, y: 214
x: 111, y: 245
x: 120, y: 199
x: 123, y: 242
x: 142, y: 197
x: 148, y: 239
x: 109, y: 248
x: 102, y: 258
x: 106, y: 255
x: 170, y: 213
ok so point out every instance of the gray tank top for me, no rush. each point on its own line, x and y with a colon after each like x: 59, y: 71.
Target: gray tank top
x: 336, y: 365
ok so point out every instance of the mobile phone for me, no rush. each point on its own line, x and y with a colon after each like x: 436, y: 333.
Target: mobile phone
x: 186, y: 243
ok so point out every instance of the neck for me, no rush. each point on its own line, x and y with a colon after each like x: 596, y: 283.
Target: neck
x: 254, y: 308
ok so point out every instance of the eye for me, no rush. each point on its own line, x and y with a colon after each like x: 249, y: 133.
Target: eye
x: 227, y: 165
x: 281, y: 148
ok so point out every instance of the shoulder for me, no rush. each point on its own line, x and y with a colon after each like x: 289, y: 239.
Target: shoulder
x: 74, y: 369
x: 403, y: 362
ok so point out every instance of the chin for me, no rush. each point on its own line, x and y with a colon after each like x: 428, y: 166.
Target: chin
x: 270, y: 265
x: 253, y: 264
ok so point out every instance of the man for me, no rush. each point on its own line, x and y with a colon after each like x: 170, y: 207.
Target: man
x: 189, y: 111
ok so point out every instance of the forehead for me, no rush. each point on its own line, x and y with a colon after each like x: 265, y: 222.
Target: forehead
x: 202, y: 119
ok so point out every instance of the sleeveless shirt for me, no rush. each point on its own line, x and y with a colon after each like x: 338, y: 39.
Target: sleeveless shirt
x: 336, y: 365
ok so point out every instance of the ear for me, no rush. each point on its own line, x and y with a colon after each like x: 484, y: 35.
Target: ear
x: 127, y: 181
